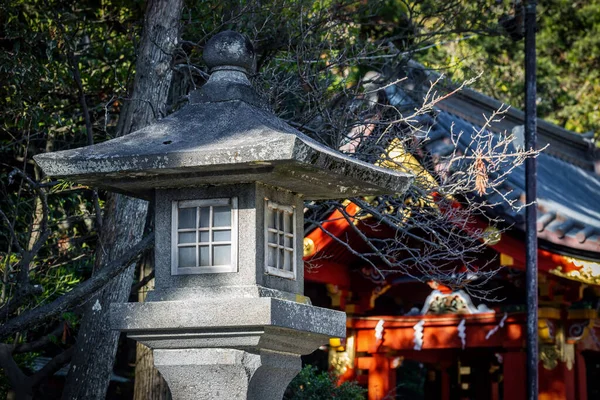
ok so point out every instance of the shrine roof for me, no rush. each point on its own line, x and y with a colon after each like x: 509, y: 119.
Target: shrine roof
x: 473, y: 107
x: 568, y: 183
x: 568, y: 195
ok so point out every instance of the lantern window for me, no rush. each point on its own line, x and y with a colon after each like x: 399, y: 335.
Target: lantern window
x: 280, y: 240
x: 204, y: 236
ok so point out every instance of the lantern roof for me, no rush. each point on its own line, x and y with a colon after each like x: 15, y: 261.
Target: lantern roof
x: 225, y: 135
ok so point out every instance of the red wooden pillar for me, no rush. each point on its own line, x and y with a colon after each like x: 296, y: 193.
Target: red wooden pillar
x: 581, y: 378
x: 494, y: 392
x: 514, y: 363
x: 557, y: 383
x: 445, y: 384
x: 382, y: 378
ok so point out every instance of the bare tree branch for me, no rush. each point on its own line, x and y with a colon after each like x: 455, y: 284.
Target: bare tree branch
x: 82, y: 292
x: 54, y: 365
x: 41, y: 342
x: 15, y: 376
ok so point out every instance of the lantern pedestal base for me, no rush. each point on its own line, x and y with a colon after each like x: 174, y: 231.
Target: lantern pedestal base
x: 240, y: 348
x: 206, y: 374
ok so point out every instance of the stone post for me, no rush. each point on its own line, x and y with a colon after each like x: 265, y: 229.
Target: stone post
x: 244, y: 348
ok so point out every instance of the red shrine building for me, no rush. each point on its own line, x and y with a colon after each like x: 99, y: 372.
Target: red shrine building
x: 410, y: 339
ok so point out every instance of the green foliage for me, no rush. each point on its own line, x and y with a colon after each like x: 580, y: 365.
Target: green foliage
x: 71, y: 319
x: 310, y: 384
x: 411, y: 380
x: 42, y: 44
x: 568, y: 50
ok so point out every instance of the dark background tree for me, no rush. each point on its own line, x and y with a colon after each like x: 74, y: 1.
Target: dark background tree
x: 65, y: 68
x: 124, y: 216
x: 75, y: 74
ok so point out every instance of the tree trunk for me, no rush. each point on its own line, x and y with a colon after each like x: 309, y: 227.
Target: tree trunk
x: 149, y: 383
x: 124, y: 219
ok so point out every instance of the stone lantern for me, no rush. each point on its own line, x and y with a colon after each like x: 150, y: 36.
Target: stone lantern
x: 227, y: 318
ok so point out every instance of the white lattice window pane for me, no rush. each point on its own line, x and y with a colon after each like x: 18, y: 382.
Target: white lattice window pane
x: 187, y: 256
x: 222, y: 254
x: 187, y: 237
x: 204, y: 236
x: 280, y: 259
x: 271, y: 214
x: 204, y: 252
x: 272, y: 257
x: 221, y: 216
x: 287, y: 265
x: 187, y: 218
x: 287, y: 223
x: 279, y: 238
x: 204, y: 217
x: 222, y: 236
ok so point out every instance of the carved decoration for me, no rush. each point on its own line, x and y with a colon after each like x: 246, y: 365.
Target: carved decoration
x: 334, y: 292
x: 549, y: 356
x: 309, y: 247
x: 373, y: 275
x: 560, y: 350
x: 378, y: 291
x: 339, y: 361
x: 588, y: 272
x: 576, y: 329
x: 546, y: 330
x: 457, y: 302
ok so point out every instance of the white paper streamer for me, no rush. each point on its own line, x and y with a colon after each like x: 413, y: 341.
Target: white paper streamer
x: 379, y: 330
x: 462, y: 334
x: 418, y: 336
x: 495, y: 329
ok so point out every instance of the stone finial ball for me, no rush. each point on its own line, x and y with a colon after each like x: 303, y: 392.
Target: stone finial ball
x: 229, y: 49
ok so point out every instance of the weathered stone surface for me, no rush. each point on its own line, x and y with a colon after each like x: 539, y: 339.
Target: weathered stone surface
x: 228, y: 142
x: 217, y: 292
x: 250, y: 241
x: 209, y: 374
x: 250, y: 324
x: 224, y: 135
x: 229, y: 49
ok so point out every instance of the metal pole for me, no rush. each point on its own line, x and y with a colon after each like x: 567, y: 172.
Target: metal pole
x: 531, y: 195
